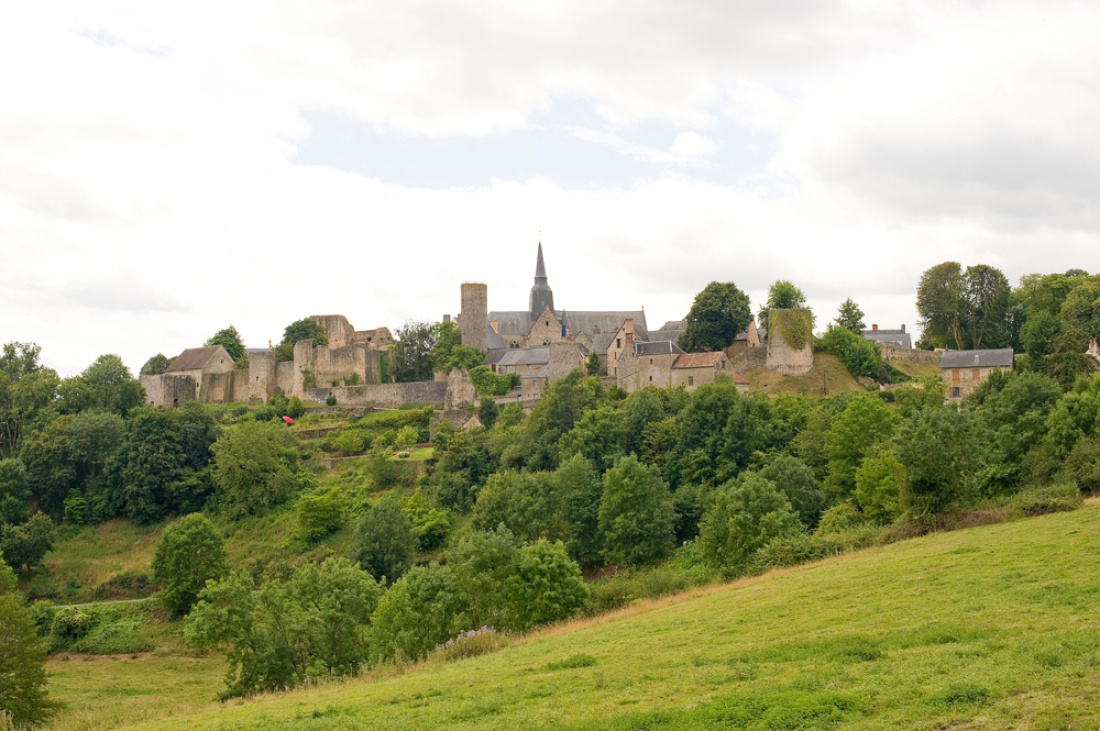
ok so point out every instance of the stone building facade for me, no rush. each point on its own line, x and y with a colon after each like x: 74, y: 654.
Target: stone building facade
x: 965, y: 370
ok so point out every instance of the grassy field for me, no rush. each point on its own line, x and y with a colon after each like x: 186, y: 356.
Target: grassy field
x: 827, y: 371
x: 988, y: 628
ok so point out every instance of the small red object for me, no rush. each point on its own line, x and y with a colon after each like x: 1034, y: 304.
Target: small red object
x: 288, y: 420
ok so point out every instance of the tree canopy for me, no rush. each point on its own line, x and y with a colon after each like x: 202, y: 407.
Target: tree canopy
x: 717, y: 315
x: 230, y: 339
x: 850, y: 317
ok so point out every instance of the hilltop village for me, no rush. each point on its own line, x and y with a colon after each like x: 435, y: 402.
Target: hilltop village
x: 539, y: 345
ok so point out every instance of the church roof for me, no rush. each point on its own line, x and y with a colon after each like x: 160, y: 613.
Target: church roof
x: 512, y: 322
x: 592, y: 321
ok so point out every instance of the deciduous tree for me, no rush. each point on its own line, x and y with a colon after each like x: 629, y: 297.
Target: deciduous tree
x: 850, y: 317
x: 22, y: 657
x: 190, y: 553
x: 717, y: 315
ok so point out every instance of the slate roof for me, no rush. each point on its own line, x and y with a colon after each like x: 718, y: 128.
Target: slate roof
x: 511, y: 322
x: 662, y: 348
x: 494, y: 355
x: 602, y: 341
x: 582, y: 321
x: 492, y: 339
x: 998, y: 358
x: 193, y: 358
x: 531, y: 356
x: 675, y: 325
x: 897, y: 338
x: 656, y: 336
x: 698, y: 360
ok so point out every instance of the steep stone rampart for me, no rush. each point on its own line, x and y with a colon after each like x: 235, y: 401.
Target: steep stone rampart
x: 383, y: 395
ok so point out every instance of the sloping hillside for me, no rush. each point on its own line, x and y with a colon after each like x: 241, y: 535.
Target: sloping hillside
x: 989, y: 628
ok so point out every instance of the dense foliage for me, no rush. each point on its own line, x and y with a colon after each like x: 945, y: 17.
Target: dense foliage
x: 717, y: 315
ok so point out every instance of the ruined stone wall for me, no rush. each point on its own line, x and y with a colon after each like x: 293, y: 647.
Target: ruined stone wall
x: 383, y: 395
x: 337, y: 328
x: 168, y: 390
x: 782, y: 356
x: 261, y: 375
x: 473, y: 320
x: 459, y: 389
x: 749, y: 360
x: 890, y: 354
x: 379, y: 337
x: 284, y: 376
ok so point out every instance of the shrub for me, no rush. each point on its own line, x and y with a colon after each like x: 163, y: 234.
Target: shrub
x: 792, y: 550
x: 1055, y: 498
x: 487, y: 383
x: 320, y: 515
x: 330, y: 400
x: 469, y: 644
x: 254, y: 467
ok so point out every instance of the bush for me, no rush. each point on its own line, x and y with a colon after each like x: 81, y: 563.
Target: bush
x: 320, y: 515
x: 331, y: 400
x: 792, y: 551
x: 1055, y: 498
x: 469, y: 644
x: 636, y: 518
x: 254, y: 467
x: 487, y: 383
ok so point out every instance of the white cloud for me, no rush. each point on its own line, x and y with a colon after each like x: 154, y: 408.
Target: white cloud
x: 147, y: 200
x: 692, y: 145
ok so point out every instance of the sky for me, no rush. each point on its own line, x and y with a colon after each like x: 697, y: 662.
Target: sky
x: 169, y: 169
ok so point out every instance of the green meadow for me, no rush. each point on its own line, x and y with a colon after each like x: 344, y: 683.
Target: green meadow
x: 988, y: 628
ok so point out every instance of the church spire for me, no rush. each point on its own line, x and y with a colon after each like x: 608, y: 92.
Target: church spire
x: 541, y: 295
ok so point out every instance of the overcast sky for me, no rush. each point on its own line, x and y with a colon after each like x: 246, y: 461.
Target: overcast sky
x: 167, y: 169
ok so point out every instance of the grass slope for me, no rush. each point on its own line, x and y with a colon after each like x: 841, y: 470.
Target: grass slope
x: 827, y: 370
x: 988, y: 628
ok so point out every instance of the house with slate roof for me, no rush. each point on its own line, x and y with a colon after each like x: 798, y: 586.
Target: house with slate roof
x: 894, y: 338
x: 965, y: 370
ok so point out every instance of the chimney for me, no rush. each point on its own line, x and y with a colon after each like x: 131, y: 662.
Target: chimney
x: 903, y: 327
x: 270, y: 346
x: 628, y: 326
x: 874, y: 328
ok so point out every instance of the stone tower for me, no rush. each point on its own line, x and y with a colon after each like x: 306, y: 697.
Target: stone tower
x: 541, y: 296
x: 474, y: 319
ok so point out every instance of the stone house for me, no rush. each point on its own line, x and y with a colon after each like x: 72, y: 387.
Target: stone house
x: 647, y: 364
x: 965, y: 370
x: 895, y: 338
x: 692, y: 370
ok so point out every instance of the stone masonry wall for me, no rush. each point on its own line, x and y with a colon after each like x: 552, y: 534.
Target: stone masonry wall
x: 168, y: 390
x: 782, y: 358
x: 383, y: 395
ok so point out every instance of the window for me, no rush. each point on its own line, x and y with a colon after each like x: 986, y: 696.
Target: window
x: 976, y: 374
x: 651, y: 361
x: 618, y: 342
x: 691, y: 380
x: 548, y: 323
x: 955, y: 392
x: 651, y: 379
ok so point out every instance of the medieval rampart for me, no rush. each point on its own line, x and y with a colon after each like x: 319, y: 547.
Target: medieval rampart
x: 383, y: 395
x: 790, y: 342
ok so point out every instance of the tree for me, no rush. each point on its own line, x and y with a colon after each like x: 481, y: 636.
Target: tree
x: 852, y: 436
x: 747, y: 513
x: 159, y: 466
x: 487, y: 412
x: 782, y: 295
x: 581, y: 491
x: 255, y: 464
x: 156, y: 365
x: 592, y: 365
x: 304, y: 329
x: 423, y: 609
x: 412, y: 352
x: 230, y: 339
x: 26, y: 545
x: 600, y: 436
x: 27, y: 401
x: 545, y: 586
x: 717, y: 315
x: 320, y: 515
x: 937, y: 449
x: 878, y: 486
x: 386, y: 541
x: 20, y: 359
x: 190, y: 553
x: 106, y: 385
x: 636, y: 516
x: 941, y: 304
x: 850, y: 317
x: 15, y: 493
x: 796, y: 481
x: 281, y: 633
x: 22, y: 657
x: 988, y: 296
